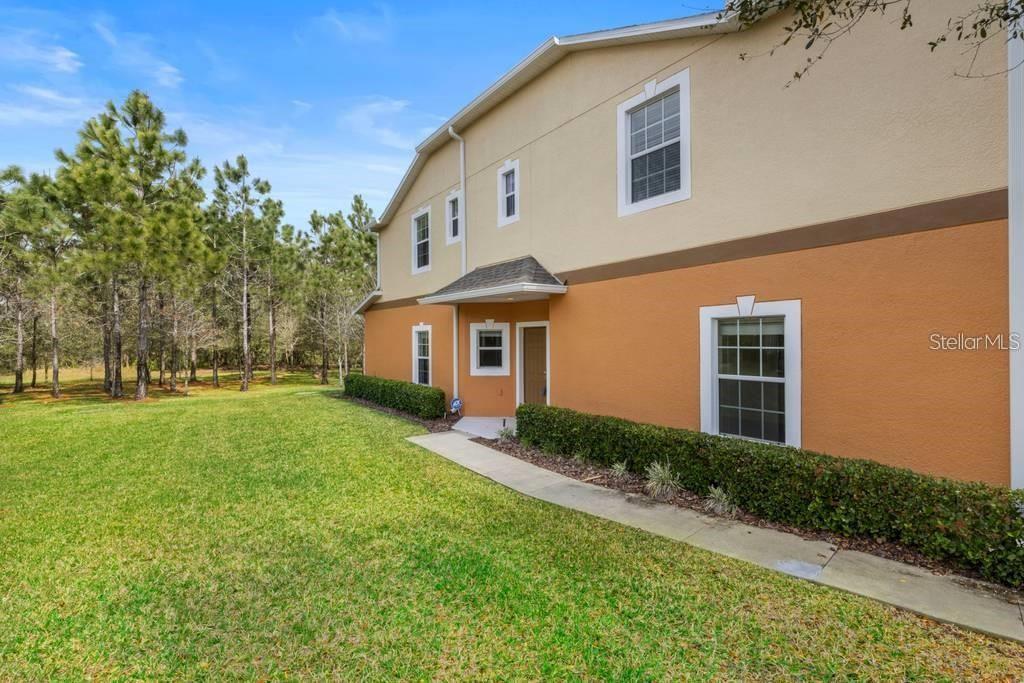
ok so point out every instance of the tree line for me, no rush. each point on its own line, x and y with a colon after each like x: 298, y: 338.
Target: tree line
x: 119, y: 257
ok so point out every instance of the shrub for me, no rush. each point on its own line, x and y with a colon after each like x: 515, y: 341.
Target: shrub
x: 972, y: 525
x: 719, y: 502
x: 661, y: 483
x: 421, y: 401
x: 506, y: 434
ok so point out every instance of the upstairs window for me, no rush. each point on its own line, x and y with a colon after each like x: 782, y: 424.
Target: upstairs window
x: 421, y: 354
x: 453, y: 217
x: 421, y: 241
x: 654, y: 145
x: 509, y: 191
x: 654, y: 148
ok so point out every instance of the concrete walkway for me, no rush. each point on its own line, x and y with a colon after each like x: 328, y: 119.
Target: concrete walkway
x: 486, y: 427
x: 944, y: 598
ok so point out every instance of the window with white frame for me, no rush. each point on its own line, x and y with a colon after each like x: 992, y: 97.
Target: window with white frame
x: 421, y: 354
x: 453, y: 217
x: 421, y: 241
x: 752, y: 378
x: 750, y: 370
x: 489, y: 343
x: 654, y: 146
x: 509, y: 191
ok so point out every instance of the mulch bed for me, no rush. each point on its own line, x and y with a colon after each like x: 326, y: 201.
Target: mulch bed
x: 432, y: 426
x: 635, y: 484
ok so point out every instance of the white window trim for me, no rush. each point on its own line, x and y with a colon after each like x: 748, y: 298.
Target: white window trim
x: 652, y: 90
x: 415, y: 354
x: 474, y: 357
x: 509, y: 165
x: 449, y: 239
x: 743, y: 308
x: 430, y: 233
x: 519, y: 359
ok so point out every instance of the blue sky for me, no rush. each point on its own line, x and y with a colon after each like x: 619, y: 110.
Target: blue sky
x: 326, y: 100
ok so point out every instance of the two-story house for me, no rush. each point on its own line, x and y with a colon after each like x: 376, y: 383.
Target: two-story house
x: 637, y: 222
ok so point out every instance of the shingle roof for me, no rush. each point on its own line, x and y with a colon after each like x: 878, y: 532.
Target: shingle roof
x: 525, y: 270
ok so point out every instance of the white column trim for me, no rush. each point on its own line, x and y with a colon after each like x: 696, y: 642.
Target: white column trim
x: 1015, y: 182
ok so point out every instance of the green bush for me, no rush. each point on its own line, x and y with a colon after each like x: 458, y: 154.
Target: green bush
x: 972, y: 525
x: 422, y: 401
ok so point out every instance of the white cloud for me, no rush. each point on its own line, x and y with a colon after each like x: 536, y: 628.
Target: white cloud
x: 30, y: 49
x: 375, y: 119
x: 47, y: 95
x: 132, y: 51
x: 301, y: 106
x: 359, y: 27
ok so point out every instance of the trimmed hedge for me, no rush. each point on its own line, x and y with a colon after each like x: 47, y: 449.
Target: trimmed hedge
x: 972, y: 525
x: 422, y: 401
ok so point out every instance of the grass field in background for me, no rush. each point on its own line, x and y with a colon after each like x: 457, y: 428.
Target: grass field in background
x: 285, y: 533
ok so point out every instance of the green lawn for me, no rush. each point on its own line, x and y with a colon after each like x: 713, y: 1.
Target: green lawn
x: 289, y: 534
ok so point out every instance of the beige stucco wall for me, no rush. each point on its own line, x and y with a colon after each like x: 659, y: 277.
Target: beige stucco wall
x: 881, y: 123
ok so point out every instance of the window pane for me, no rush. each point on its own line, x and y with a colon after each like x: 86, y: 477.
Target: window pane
x: 422, y: 254
x: 774, y: 396
x: 750, y: 424
x: 750, y: 394
x: 727, y: 363
x: 673, y: 170
x: 775, y: 427
x: 423, y: 343
x: 637, y: 143
x: 423, y: 370
x: 773, y: 363
x: 750, y: 361
x: 455, y: 227
x: 489, y: 338
x: 654, y: 135
x: 637, y: 121
x: 654, y: 112
x: 639, y: 190
x: 422, y: 227
x: 510, y: 205
x: 773, y: 332
x: 510, y: 182
x: 671, y: 128
x: 728, y: 392
x: 656, y: 161
x: 489, y: 358
x: 671, y: 104
x: 750, y: 332
x: 728, y: 421
x: 656, y: 184
x: 727, y: 333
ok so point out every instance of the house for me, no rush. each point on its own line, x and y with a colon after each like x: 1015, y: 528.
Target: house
x: 637, y: 222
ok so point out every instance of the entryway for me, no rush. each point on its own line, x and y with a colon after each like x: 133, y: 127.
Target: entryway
x: 533, y: 354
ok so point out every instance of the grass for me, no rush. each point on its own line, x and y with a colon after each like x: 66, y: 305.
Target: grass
x: 285, y: 533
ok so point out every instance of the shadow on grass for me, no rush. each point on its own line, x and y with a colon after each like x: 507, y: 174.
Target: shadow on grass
x: 85, y: 391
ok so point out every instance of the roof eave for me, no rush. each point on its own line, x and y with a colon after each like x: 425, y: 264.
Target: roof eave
x: 371, y: 298
x: 519, y: 288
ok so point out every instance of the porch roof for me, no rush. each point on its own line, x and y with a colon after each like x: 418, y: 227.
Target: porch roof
x: 521, y: 279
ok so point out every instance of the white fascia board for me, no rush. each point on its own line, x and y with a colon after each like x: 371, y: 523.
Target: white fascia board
x: 370, y: 300
x: 518, y: 288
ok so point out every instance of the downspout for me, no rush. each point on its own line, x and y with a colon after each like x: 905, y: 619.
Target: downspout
x: 464, y: 226
x: 1015, y: 183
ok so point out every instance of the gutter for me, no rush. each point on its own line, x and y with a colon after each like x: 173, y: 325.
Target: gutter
x: 517, y: 288
x: 1015, y: 237
x: 463, y: 223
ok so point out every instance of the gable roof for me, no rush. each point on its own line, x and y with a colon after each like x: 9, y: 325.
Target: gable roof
x: 546, y: 55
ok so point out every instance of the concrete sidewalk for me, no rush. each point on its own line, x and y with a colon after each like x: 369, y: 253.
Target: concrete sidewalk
x: 943, y: 598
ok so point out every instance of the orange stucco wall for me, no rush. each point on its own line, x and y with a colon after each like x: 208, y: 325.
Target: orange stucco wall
x: 872, y: 387
x: 389, y: 342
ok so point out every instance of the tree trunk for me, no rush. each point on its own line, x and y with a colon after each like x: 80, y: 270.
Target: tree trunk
x: 246, y: 358
x: 174, y: 343
x: 142, y: 357
x: 54, y: 349
x: 107, y: 373
x: 19, y: 348
x: 216, y: 350
x: 35, y: 357
x: 323, y: 345
x: 116, y: 352
x: 192, y: 366
x: 273, y: 335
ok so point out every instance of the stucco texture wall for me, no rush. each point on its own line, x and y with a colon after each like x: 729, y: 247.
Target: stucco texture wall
x: 872, y: 387
x: 388, y: 339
